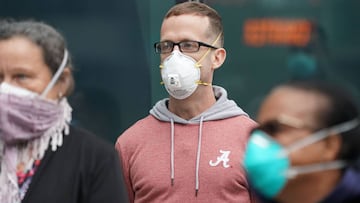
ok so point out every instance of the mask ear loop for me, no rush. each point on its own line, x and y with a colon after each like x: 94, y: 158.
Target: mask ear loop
x: 198, y: 65
x: 56, y: 76
x: 297, y: 170
x: 317, y: 136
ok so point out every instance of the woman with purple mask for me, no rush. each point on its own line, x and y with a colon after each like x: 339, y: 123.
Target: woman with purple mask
x: 43, y: 158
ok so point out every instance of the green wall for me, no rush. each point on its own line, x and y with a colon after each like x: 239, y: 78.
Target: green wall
x: 250, y: 72
x: 117, y: 72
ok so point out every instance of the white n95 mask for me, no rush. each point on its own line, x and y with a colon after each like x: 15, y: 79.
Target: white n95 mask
x: 180, y: 74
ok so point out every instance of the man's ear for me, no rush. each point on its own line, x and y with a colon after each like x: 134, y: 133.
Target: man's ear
x: 333, y: 147
x: 219, y: 57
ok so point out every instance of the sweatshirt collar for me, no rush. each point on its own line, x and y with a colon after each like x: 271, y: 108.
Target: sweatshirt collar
x: 223, y: 108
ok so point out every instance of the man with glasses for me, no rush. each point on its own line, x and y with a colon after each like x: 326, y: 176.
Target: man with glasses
x: 307, y: 146
x: 190, y: 147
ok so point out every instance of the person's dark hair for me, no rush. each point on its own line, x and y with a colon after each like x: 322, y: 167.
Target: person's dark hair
x: 342, y: 107
x: 51, y: 42
x: 200, y: 9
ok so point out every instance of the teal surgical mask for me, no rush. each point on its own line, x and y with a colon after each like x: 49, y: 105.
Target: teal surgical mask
x: 267, y: 163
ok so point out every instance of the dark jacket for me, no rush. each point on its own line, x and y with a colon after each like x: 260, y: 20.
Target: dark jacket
x: 85, y: 169
x: 347, y: 191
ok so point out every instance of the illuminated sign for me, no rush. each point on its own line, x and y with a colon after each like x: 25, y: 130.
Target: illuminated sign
x: 276, y: 32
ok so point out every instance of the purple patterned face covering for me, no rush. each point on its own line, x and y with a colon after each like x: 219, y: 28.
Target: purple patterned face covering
x: 24, y: 114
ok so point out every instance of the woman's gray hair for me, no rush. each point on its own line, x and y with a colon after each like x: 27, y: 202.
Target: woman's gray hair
x: 51, y: 42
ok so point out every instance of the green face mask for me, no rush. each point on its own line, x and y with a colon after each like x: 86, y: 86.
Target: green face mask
x: 267, y: 163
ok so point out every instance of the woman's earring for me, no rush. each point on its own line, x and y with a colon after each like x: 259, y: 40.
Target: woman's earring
x: 60, y: 95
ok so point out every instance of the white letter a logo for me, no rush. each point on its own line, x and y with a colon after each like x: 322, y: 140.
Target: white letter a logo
x: 223, y: 158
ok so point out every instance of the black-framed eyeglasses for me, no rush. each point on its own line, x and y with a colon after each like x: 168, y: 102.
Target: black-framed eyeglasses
x: 184, y: 46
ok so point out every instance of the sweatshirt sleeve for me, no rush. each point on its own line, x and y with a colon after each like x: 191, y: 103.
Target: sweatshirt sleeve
x: 124, y: 162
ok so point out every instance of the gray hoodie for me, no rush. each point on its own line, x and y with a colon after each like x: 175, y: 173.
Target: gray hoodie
x: 223, y: 108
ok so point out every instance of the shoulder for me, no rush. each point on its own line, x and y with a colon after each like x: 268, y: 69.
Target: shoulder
x: 86, y: 142
x: 238, y: 127
x: 144, y: 125
x: 247, y: 122
x: 139, y: 133
x: 96, y: 164
x: 242, y: 122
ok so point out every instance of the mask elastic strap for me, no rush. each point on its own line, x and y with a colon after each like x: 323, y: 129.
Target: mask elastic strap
x: 297, y: 170
x: 317, y: 136
x: 206, y: 53
x: 57, y: 75
x: 198, y: 65
x: 199, y: 82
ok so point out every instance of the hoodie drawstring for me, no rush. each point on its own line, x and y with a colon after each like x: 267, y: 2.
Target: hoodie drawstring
x: 172, y: 153
x: 197, y: 155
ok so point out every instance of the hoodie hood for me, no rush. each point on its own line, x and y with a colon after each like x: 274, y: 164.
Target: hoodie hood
x: 223, y: 108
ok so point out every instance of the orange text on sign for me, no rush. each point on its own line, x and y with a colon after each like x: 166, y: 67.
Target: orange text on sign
x: 271, y: 31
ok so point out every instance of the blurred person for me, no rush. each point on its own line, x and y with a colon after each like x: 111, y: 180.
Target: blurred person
x: 306, y: 146
x: 187, y: 149
x: 44, y: 158
x: 310, y: 62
